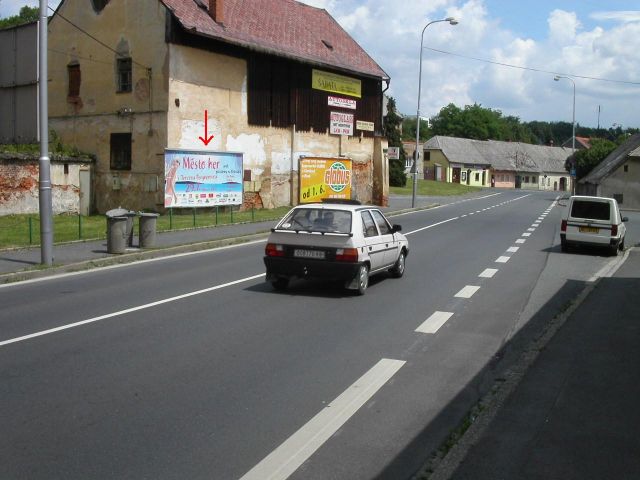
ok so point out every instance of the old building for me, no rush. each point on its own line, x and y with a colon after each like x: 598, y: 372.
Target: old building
x: 275, y: 80
x: 498, y: 164
x: 617, y: 176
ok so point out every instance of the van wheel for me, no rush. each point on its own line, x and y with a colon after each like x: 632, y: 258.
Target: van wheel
x: 564, y: 248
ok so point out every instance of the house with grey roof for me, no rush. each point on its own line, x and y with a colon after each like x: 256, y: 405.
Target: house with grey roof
x: 274, y: 81
x: 498, y: 164
x: 617, y: 176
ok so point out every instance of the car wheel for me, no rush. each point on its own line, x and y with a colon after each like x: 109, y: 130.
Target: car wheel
x: 621, y: 246
x: 398, y: 268
x: 280, y: 283
x: 613, y: 251
x: 363, y: 279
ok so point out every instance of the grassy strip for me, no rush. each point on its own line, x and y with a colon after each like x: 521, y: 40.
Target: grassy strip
x: 433, y: 188
x: 24, y: 230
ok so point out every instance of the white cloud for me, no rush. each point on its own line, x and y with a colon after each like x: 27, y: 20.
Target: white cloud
x: 625, y: 16
x: 563, y: 26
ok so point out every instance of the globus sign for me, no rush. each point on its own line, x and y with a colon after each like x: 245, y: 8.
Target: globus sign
x: 324, y: 178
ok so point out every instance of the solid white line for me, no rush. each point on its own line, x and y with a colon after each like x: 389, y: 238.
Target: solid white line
x: 467, y: 292
x: 431, y: 226
x: 124, y: 265
x: 434, y: 322
x: 126, y: 311
x: 488, y: 272
x: 513, y: 249
x: 520, y: 240
x: 288, y: 457
x: 502, y: 259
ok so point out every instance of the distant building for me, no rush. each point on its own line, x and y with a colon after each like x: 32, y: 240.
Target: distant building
x: 617, y: 176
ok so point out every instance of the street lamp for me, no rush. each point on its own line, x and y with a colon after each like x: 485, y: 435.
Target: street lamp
x: 452, y: 21
x: 573, y: 126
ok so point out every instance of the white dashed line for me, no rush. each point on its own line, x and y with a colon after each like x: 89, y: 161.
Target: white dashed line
x: 526, y: 234
x: 488, y: 273
x: 502, y: 259
x: 513, y: 249
x: 520, y: 240
x: 434, y: 322
x: 467, y: 292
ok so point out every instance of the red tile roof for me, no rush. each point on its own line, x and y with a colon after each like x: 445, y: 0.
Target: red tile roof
x: 280, y: 27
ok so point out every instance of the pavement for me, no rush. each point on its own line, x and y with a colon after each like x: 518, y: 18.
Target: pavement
x: 567, y: 409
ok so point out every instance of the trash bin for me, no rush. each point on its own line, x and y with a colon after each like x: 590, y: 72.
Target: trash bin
x: 116, y: 234
x: 129, y: 214
x: 147, y: 230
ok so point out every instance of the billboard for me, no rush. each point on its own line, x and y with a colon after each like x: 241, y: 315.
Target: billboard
x: 324, y: 178
x: 198, y: 178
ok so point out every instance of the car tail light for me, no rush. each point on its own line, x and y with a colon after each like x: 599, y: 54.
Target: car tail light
x: 563, y: 226
x: 614, y: 230
x: 347, y: 255
x: 274, y: 250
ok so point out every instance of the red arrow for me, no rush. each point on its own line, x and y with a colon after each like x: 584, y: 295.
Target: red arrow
x: 206, y: 142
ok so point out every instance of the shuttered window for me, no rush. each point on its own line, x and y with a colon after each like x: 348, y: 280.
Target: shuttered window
x: 74, y: 77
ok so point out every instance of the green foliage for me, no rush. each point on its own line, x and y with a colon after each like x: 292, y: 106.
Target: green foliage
x: 26, y: 15
x: 409, y: 129
x: 392, y: 122
x: 586, y: 160
x: 55, y: 146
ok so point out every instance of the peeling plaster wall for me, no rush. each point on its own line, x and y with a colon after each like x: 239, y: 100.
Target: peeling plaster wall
x: 19, y: 183
x: 201, y: 80
x: 136, y: 28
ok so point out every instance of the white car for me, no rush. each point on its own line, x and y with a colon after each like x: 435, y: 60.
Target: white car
x: 344, y: 242
x: 593, y: 221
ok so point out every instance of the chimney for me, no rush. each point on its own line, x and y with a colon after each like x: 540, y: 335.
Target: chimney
x: 216, y: 10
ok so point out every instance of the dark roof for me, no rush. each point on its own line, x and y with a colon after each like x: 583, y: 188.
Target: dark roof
x: 280, y: 27
x: 613, y: 160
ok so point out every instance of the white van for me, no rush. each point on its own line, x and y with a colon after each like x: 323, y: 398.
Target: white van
x: 594, y: 221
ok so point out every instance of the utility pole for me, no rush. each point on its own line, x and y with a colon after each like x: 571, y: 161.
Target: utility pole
x: 45, y: 202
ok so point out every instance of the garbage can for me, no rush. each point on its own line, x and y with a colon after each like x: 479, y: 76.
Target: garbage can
x: 116, y: 234
x: 147, y: 230
x: 129, y: 214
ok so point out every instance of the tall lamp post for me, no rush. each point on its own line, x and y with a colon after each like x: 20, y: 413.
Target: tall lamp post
x: 573, y: 127
x: 451, y: 21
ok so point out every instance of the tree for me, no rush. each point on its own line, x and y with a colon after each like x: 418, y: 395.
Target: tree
x: 587, y: 159
x: 392, y: 121
x: 409, y: 129
x: 26, y: 15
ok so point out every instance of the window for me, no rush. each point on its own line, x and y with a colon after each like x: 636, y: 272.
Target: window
x: 548, y: 181
x: 526, y: 179
x: 120, y: 151
x: 477, y: 177
x: 591, y: 209
x: 368, y: 225
x: 124, y: 75
x: 626, y: 169
x: 534, y: 179
x: 427, y: 156
x: 73, y: 72
x: 383, y: 225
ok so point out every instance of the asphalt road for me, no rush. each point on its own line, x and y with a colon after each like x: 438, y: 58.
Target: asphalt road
x: 193, y: 367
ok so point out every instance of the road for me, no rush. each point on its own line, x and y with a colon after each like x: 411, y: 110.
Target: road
x: 193, y: 367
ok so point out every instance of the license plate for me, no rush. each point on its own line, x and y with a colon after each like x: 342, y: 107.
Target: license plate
x: 319, y: 254
x: 589, y: 230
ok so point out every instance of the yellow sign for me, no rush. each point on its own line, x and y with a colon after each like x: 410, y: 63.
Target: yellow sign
x: 324, y: 178
x: 332, y: 82
x: 362, y: 125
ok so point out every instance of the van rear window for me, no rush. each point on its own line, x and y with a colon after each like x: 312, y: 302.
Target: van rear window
x: 590, y: 209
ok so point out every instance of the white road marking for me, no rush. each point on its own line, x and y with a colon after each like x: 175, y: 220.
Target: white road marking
x: 488, y: 272
x: 520, y: 240
x: 467, y: 292
x: 531, y: 229
x: 513, y: 249
x: 526, y: 234
x: 612, y: 266
x: 434, y: 322
x: 502, y: 259
x: 535, y: 225
x: 288, y: 457
x: 128, y: 310
x: 431, y: 226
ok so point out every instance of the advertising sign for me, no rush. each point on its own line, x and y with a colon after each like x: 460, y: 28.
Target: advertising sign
x: 367, y: 126
x: 332, y: 82
x: 341, y: 102
x: 197, y: 178
x: 324, y: 178
x: 341, y: 123
x: 393, y: 153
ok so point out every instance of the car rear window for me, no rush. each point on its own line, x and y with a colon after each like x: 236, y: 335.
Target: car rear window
x: 317, y: 220
x: 591, y: 209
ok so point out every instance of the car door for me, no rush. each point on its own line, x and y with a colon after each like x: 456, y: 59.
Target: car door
x: 373, y: 241
x: 387, y: 239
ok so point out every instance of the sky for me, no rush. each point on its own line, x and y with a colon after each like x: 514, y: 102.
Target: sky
x: 503, y: 54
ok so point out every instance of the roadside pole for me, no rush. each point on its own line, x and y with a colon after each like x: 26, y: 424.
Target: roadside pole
x: 45, y: 202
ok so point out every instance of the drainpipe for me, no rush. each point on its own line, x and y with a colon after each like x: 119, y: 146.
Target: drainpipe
x: 293, y: 150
